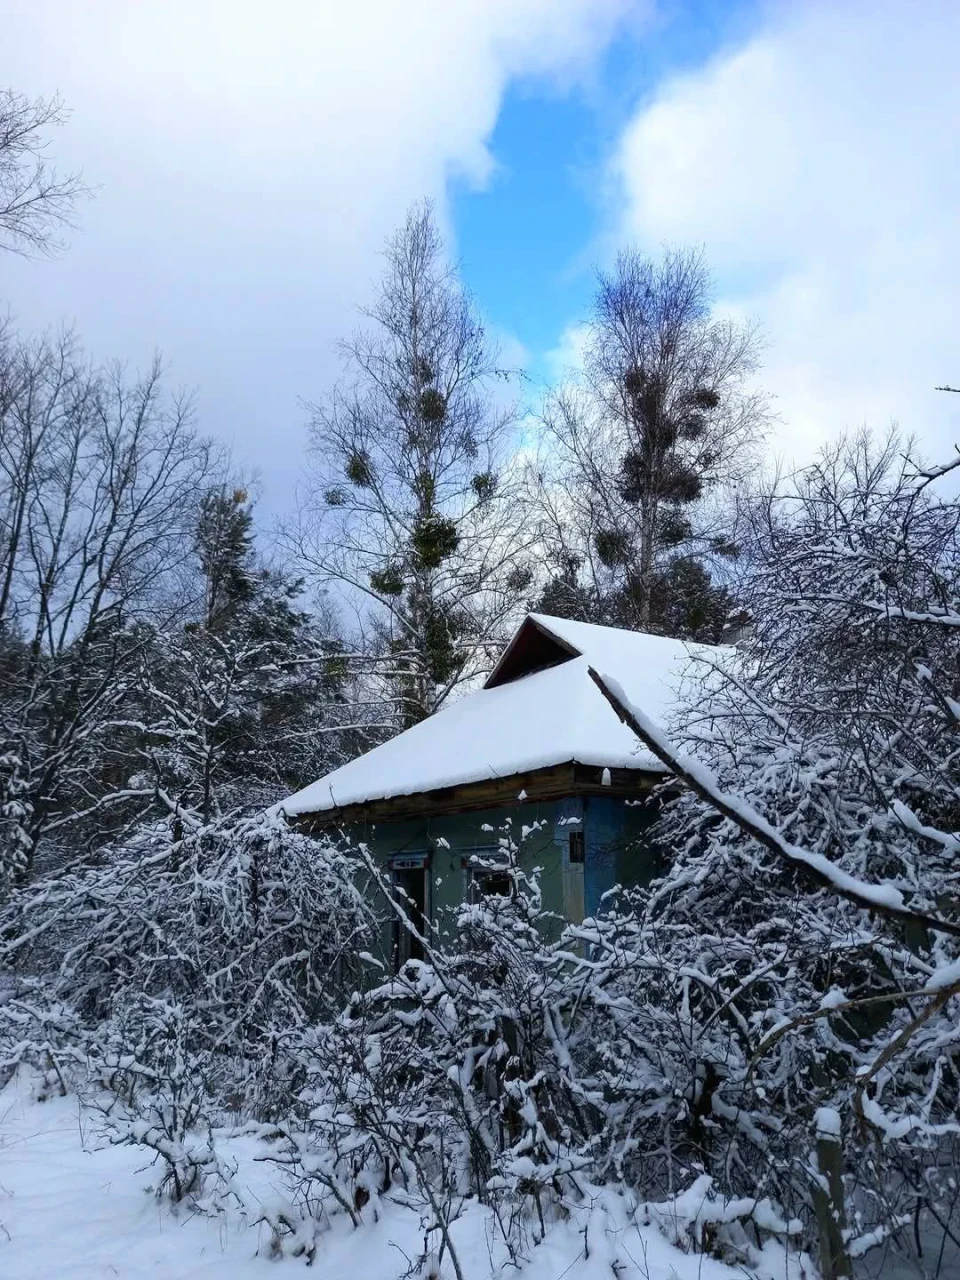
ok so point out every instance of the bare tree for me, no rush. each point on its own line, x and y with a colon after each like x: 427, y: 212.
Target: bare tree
x: 36, y: 201
x: 99, y: 477
x: 642, y: 443
x: 412, y: 506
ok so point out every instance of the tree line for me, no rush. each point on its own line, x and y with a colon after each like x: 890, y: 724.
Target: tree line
x: 161, y: 656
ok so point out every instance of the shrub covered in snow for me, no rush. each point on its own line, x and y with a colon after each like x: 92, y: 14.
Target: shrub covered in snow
x: 243, y: 932
x: 486, y: 1071
x: 803, y: 949
x: 160, y: 1074
x: 447, y: 1080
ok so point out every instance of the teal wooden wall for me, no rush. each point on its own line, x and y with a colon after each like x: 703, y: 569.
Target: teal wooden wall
x: 616, y: 850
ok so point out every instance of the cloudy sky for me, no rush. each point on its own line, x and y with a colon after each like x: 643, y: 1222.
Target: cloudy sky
x: 249, y: 160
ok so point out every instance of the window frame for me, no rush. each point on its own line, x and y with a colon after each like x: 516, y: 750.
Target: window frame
x: 475, y: 876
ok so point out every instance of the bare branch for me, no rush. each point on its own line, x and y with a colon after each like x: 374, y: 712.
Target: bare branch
x: 35, y: 200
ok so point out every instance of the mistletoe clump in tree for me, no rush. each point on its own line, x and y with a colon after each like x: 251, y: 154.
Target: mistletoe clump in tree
x: 413, y: 507
x: 643, y: 447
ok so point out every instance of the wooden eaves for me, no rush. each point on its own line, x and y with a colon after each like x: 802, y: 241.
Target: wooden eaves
x: 556, y: 782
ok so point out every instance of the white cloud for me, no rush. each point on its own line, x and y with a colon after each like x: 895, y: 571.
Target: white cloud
x: 250, y: 159
x: 819, y: 164
x: 567, y: 356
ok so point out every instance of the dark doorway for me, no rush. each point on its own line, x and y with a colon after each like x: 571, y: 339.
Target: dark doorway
x: 576, y: 848
x: 410, y: 882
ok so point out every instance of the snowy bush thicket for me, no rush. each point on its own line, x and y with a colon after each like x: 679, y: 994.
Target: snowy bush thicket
x: 753, y: 985
x: 448, y: 1079
x: 485, y: 1072
x: 219, y: 947
x: 686, y: 1047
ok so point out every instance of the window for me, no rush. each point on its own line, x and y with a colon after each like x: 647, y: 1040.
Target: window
x: 575, y: 848
x: 490, y: 884
x: 487, y: 875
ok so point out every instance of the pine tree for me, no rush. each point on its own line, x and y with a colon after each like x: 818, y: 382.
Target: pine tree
x: 225, y: 551
x: 241, y: 704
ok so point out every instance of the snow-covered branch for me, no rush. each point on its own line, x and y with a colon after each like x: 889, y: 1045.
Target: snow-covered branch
x: 884, y: 898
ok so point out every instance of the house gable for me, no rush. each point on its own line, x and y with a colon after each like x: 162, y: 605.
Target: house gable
x: 533, y: 648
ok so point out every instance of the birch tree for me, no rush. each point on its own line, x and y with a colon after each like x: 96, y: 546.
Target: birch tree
x: 413, y: 504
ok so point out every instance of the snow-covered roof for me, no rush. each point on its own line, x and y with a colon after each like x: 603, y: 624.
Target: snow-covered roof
x: 551, y: 716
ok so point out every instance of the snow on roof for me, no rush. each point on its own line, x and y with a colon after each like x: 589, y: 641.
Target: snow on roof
x: 551, y: 716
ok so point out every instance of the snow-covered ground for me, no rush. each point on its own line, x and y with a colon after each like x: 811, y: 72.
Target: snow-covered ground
x: 74, y: 1208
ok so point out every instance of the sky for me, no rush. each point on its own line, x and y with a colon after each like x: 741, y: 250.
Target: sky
x: 248, y: 162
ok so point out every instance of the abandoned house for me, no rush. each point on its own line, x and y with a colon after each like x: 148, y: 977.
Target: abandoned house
x: 537, y: 747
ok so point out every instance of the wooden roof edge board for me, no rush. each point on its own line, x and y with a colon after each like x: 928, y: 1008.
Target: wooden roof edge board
x: 531, y: 649
x: 588, y: 779
x: 487, y: 793
x: 553, y: 783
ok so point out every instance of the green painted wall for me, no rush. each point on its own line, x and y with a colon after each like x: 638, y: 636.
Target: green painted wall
x: 615, y: 850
